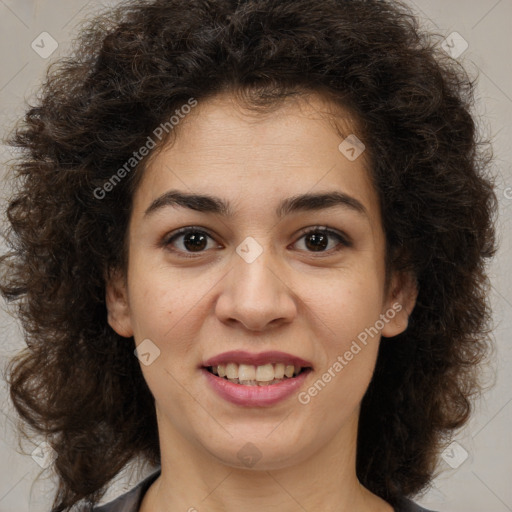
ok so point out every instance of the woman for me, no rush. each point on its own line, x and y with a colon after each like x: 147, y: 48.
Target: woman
x: 282, y: 209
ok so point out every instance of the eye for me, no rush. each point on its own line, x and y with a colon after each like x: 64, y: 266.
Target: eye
x: 321, y: 239
x: 189, y: 240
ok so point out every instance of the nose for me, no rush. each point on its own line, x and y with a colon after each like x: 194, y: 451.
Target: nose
x: 255, y: 295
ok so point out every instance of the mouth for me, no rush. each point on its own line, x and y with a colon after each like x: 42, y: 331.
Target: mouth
x: 255, y: 380
x: 261, y: 375
x: 256, y: 369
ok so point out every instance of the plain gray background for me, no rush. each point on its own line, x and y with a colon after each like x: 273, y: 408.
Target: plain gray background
x: 475, y: 471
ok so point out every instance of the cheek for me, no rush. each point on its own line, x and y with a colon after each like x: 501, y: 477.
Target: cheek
x: 349, y: 349
x: 161, y: 298
x: 348, y: 315
x: 168, y: 307
x: 349, y: 303
x: 154, y: 309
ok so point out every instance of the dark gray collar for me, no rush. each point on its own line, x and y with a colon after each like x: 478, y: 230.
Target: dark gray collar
x: 132, y: 500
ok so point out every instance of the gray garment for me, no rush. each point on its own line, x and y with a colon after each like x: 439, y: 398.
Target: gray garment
x: 131, y: 501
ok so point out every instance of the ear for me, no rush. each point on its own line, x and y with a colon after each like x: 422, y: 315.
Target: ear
x: 401, y: 299
x: 118, y: 308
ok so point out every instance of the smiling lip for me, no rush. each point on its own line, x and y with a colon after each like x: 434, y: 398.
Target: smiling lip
x: 255, y: 396
x: 242, y: 357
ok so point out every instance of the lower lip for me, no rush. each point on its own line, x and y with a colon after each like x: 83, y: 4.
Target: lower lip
x: 255, y: 396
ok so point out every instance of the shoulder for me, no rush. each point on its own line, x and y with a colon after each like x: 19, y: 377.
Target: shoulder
x: 130, y: 501
x: 406, y: 505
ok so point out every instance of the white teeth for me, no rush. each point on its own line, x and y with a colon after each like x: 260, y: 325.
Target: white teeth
x: 248, y: 372
x: 289, y: 369
x: 264, y: 373
x: 251, y: 375
x: 232, y: 371
x: 279, y: 371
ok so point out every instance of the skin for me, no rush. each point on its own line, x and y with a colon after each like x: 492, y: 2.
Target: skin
x: 291, y: 298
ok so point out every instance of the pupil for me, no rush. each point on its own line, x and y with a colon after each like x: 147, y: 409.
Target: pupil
x: 320, y: 239
x: 195, y: 241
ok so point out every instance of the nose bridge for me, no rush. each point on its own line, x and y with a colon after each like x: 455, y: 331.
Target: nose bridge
x: 254, y: 293
x: 254, y: 278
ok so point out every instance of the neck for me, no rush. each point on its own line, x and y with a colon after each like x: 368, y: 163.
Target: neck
x: 193, y: 480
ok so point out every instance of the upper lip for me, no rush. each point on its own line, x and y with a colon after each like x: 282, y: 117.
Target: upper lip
x: 242, y: 357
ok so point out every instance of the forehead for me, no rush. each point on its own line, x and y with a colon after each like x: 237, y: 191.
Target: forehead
x: 224, y: 149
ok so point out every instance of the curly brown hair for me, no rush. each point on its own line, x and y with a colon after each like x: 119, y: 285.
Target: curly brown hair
x: 130, y: 68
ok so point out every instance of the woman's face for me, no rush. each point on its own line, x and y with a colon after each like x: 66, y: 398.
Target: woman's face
x: 247, y: 277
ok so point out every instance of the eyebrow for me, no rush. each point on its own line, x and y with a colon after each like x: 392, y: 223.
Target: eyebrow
x: 210, y: 204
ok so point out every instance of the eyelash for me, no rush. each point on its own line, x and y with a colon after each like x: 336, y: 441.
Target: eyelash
x: 343, y: 241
